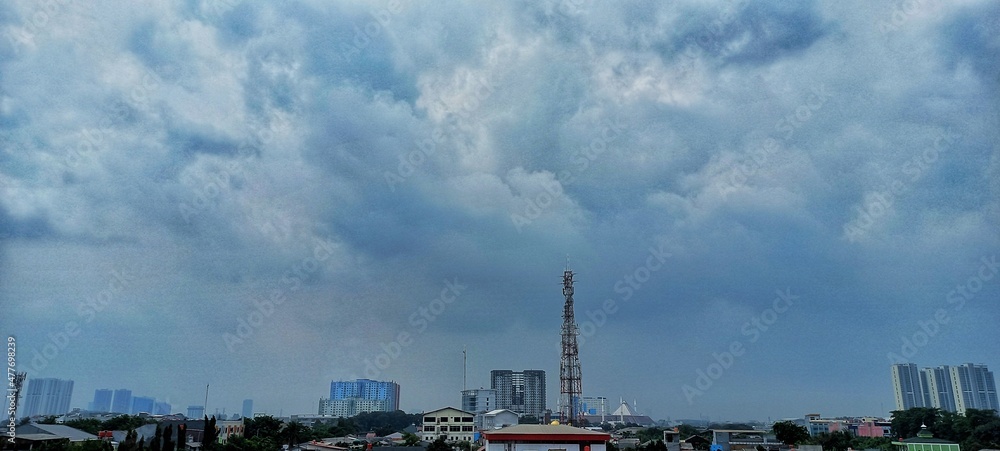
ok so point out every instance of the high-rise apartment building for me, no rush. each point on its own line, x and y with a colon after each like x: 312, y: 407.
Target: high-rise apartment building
x: 122, y: 402
x: 520, y: 391
x: 954, y: 388
x: 349, y: 398
x: 102, y: 400
x: 196, y: 412
x: 940, y: 388
x: 161, y: 408
x: 247, y: 411
x: 47, y: 396
x: 975, y: 388
x: 910, y: 386
x: 142, y: 404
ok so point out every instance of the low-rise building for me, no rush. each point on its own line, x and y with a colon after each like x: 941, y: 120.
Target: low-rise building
x: 533, y: 437
x: 925, y: 441
x: 449, y: 423
x: 496, y: 419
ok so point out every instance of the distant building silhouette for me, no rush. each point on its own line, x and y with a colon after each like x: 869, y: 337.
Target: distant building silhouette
x: 102, y: 400
x: 122, y: 402
x: 196, y: 412
x: 247, y: 411
x: 47, y: 396
x: 161, y: 408
x: 142, y: 404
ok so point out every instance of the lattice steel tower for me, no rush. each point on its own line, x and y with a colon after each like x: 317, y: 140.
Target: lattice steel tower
x: 570, y: 385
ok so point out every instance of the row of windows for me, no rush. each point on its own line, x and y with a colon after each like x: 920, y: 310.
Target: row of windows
x: 449, y: 429
x: 445, y: 419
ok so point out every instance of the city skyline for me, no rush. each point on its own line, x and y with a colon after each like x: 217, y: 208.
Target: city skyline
x: 262, y: 198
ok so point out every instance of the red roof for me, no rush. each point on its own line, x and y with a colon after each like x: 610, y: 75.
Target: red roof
x: 546, y: 432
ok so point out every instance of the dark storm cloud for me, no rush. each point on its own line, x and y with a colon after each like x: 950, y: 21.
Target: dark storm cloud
x: 352, y: 163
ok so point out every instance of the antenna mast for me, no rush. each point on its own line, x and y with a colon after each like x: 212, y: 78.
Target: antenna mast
x: 570, y: 385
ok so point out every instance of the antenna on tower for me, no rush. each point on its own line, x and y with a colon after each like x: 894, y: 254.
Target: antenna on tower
x: 570, y: 385
x: 465, y: 367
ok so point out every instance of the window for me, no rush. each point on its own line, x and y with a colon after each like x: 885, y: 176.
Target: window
x: 466, y: 428
x: 443, y: 419
x: 455, y: 428
x: 429, y: 420
x: 428, y: 428
x: 468, y: 420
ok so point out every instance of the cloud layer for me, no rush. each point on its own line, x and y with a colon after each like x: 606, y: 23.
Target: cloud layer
x: 265, y: 197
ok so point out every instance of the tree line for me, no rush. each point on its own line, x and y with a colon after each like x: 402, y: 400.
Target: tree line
x: 265, y: 433
x: 976, y: 429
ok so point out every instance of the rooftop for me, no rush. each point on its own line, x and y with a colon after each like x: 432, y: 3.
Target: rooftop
x: 560, y: 432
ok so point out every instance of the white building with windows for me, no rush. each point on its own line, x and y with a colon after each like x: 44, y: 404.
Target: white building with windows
x: 452, y: 424
x: 496, y: 419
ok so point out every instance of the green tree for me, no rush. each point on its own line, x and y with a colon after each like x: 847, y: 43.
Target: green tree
x: 51, y: 419
x: 789, y: 433
x: 649, y: 434
x: 168, y: 442
x: 686, y: 430
x: 125, y: 423
x: 836, y: 441
x: 88, y: 425
x: 880, y: 443
x: 528, y: 419
x: 91, y: 445
x: 154, y: 445
x: 906, y: 423
x: 385, y: 423
x: 210, y: 437
x: 438, y: 445
x: 410, y: 439
x: 464, y: 445
x: 264, y: 426
x: 984, y: 436
x: 182, y: 437
x: 238, y: 443
x: 130, y: 443
x: 292, y: 433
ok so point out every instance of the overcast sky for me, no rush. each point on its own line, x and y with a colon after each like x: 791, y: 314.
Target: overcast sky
x: 267, y: 197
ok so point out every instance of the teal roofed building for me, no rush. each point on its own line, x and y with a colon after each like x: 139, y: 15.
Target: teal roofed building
x: 925, y: 441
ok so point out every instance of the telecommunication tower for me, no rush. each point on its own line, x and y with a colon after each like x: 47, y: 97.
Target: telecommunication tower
x: 570, y: 385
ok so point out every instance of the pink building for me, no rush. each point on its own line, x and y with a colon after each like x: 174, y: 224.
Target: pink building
x: 875, y: 429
